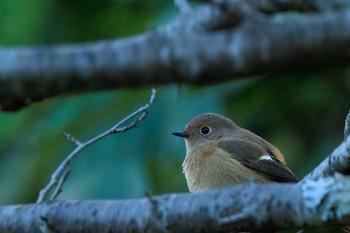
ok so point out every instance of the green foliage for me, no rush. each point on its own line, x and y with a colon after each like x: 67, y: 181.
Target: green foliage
x: 302, y: 114
x: 31, y: 146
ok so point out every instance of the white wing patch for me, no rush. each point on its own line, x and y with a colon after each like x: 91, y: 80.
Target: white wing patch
x: 266, y: 157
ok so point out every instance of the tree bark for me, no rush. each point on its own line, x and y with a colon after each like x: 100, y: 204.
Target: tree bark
x: 249, y: 207
x: 245, y: 38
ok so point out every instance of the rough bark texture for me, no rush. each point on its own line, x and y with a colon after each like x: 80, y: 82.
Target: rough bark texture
x: 246, y: 38
x: 238, y: 208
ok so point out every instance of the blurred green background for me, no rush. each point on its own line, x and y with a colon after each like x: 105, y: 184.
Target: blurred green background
x: 301, y: 113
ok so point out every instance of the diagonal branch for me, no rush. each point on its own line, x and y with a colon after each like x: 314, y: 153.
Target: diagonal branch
x: 338, y: 161
x: 59, y: 176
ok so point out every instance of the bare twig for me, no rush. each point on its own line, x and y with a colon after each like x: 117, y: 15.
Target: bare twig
x: 140, y: 114
x: 58, y: 189
x: 71, y: 138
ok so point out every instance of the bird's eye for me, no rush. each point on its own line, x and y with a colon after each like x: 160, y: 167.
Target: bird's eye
x: 205, y: 130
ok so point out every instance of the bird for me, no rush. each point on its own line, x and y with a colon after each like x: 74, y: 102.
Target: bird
x: 220, y: 153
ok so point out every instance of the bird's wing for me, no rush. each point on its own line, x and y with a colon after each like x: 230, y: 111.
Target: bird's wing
x: 258, y: 158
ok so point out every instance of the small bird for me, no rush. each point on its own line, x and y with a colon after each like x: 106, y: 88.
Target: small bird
x: 220, y: 153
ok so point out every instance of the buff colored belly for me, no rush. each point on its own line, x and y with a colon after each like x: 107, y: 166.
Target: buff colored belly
x: 214, y: 168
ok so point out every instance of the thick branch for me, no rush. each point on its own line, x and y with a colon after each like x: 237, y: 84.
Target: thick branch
x: 272, y: 6
x: 179, y: 52
x: 238, y: 208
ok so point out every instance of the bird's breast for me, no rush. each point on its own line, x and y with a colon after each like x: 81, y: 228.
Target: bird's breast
x: 211, y: 167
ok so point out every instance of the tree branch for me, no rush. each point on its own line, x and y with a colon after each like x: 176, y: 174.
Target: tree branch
x: 338, y: 161
x: 273, y: 6
x: 245, y: 42
x: 60, y: 175
x: 246, y: 207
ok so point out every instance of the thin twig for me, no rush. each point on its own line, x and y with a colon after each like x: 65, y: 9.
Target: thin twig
x: 183, y: 6
x: 71, y: 138
x: 142, y: 112
x: 58, y: 189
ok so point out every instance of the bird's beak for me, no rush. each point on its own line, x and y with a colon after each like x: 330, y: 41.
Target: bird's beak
x: 181, y: 134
